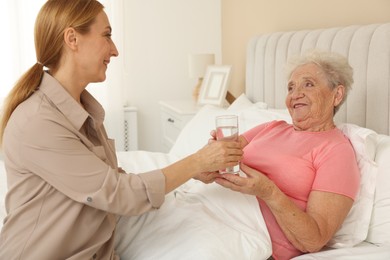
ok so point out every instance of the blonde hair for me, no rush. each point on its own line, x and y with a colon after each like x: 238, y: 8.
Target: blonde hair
x: 335, y: 67
x: 52, y: 20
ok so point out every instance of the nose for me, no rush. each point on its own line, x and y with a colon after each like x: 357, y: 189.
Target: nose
x: 114, y: 50
x: 297, y: 92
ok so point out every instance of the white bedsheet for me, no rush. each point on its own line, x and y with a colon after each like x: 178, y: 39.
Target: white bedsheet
x: 197, y: 221
x: 362, y: 251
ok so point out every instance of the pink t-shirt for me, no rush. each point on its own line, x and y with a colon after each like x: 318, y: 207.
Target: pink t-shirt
x: 299, y: 162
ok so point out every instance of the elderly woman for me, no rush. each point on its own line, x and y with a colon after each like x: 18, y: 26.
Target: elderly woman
x: 304, y: 175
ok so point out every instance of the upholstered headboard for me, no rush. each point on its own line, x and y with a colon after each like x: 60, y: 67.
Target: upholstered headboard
x: 368, y: 50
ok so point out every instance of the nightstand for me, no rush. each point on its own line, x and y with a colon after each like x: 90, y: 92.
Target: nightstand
x: 175, y: 114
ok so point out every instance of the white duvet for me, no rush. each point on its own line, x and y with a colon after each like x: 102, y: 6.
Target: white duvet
x: 197, y: 221
x: 201, y: 221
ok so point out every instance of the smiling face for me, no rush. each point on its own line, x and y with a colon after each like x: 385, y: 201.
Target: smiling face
x: 95, y: 50
x: 311, y: 100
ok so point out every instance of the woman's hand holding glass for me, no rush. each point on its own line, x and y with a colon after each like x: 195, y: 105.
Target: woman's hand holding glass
x: 217, y: 155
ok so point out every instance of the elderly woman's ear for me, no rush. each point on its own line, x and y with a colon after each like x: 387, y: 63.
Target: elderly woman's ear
x: 339, y: 95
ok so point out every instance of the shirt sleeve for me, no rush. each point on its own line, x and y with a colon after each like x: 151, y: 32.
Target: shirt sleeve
x: 337, y: 171
x: 251, y: 133
x: 54, y: 152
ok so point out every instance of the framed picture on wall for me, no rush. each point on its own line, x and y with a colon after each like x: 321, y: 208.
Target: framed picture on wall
x: 215, y: 84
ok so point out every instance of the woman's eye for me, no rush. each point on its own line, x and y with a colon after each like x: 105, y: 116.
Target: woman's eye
x: 309, y: 84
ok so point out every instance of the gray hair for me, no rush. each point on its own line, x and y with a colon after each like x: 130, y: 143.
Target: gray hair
x: 335, y: 67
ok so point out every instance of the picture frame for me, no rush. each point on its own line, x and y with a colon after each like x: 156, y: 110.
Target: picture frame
x: 214, y: 85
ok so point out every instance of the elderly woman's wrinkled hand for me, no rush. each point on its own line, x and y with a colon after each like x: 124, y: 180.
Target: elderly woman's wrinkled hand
x: 254, y: 183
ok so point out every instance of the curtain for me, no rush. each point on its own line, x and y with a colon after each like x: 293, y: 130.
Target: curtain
x: 18, y: 53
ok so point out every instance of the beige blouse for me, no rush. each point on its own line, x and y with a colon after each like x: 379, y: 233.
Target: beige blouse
x: 65, y: 190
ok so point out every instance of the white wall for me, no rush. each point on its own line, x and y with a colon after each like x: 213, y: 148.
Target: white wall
x: 159, y: 35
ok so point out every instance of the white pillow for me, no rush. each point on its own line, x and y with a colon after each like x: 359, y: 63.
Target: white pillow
x: 355, y: 227
x: 253, y: 116
x: 196, y: 133
x: 379, y: 232
x: 242, y: 102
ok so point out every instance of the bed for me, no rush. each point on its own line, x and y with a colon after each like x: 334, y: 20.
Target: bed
x: 200, y: 221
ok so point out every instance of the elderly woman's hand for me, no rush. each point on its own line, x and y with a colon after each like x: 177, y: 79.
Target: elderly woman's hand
x: 255, y: 182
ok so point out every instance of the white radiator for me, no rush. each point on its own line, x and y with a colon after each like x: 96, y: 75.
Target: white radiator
x: 130, y: 140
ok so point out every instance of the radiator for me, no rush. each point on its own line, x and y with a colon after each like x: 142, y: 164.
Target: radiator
x: 130, y: 139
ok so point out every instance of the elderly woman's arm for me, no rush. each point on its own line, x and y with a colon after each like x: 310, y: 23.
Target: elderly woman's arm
x: 307, y: 230
x: 310, y: 231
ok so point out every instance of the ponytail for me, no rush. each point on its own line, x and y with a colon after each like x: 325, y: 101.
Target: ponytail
x: 23, y: 89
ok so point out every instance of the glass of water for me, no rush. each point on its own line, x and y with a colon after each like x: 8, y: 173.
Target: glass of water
x: 227, y: 130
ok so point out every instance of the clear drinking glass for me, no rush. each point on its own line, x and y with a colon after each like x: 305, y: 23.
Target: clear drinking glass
x: 227, y: 129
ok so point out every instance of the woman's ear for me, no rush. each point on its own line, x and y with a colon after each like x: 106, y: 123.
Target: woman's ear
x: 339, y: 95
x: 70, y: 38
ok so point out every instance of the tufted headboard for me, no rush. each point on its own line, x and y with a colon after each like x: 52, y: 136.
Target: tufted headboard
x: 368, y: 50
